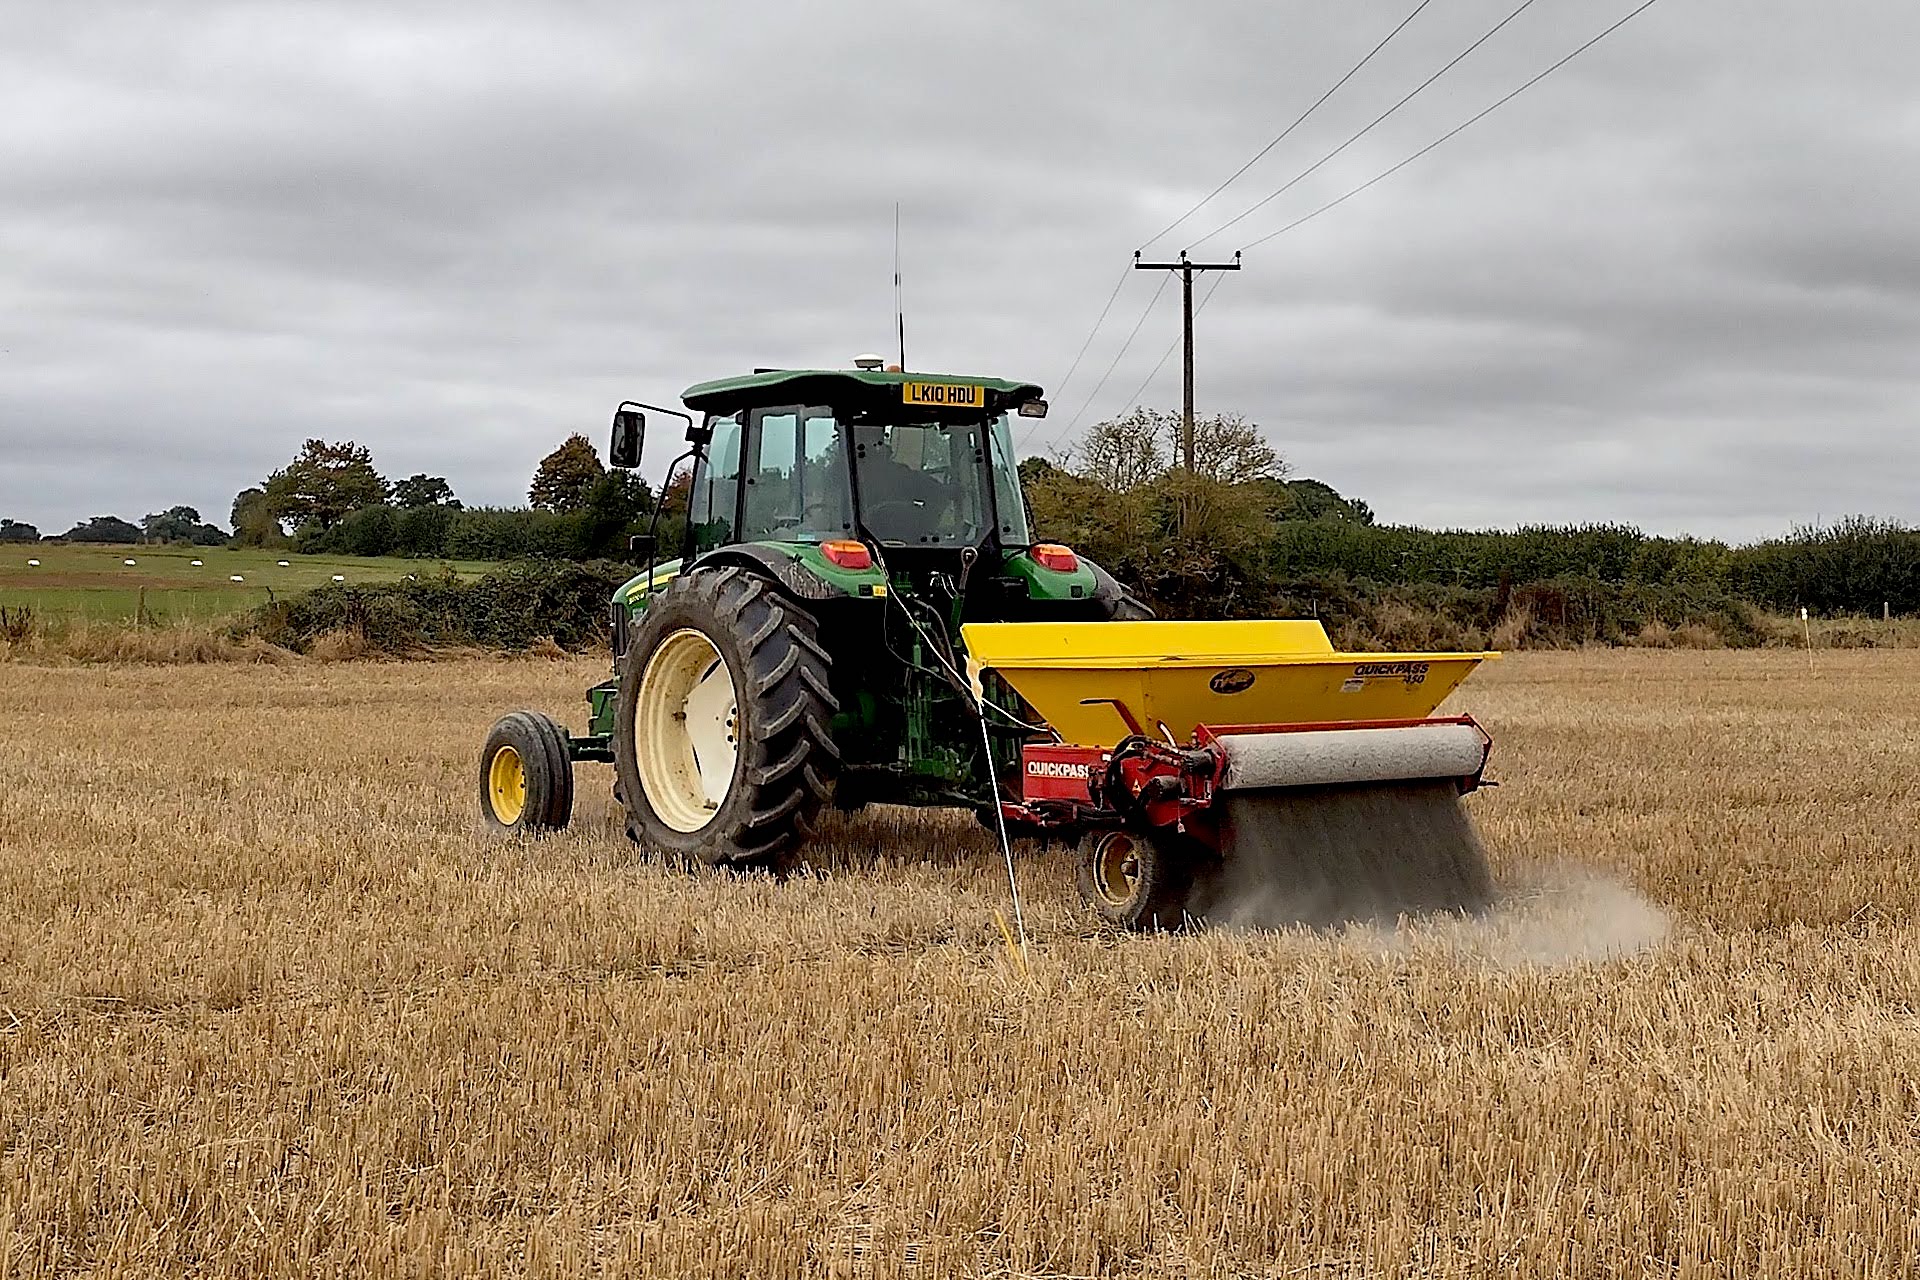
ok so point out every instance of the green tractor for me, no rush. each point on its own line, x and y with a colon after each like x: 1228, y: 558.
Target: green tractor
x: 804, y: 647
x: 859, y: 612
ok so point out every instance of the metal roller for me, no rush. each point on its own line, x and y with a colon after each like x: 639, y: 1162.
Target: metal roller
x: 1336, y: 757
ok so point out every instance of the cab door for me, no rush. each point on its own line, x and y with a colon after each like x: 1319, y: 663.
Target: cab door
x: 713, y: 505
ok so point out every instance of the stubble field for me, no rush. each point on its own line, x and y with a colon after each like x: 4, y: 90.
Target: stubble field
x: 270, y: 1004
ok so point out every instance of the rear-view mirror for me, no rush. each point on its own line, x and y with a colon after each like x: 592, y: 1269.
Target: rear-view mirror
x: 629, y: 434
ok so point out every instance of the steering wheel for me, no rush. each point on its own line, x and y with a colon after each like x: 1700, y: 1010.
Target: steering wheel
x: 813, y: 517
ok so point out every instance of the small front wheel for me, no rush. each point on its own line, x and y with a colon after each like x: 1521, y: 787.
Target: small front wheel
x: 526, y: 775
x: 1134, y: 881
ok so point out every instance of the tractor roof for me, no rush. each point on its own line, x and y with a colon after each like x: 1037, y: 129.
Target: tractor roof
x: 828, y: 386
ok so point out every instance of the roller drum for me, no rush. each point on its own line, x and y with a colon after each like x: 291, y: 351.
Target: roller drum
x: 1337, y: 757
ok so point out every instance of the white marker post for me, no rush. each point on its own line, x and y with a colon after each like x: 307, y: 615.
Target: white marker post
x: 1807, y: 628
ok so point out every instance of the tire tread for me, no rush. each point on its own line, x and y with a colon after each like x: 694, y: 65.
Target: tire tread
x: 788, y: 754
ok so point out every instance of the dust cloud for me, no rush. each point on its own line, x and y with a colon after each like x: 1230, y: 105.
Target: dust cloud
x: 1401, y: 870
x: 1550, y: 917
x: 1329, y: 856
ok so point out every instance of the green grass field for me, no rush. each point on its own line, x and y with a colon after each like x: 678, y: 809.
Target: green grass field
x: 93, y: 583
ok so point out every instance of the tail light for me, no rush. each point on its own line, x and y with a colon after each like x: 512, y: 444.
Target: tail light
x: 847, y: 553
x: 1051, y: 555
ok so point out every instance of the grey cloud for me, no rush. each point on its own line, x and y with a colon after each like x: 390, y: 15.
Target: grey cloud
x: 1675, y: 284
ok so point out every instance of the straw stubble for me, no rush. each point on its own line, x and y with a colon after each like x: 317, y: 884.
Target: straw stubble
x: 271, y: 1005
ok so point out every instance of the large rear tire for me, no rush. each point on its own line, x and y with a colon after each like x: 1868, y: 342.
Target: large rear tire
x: 721, y: 740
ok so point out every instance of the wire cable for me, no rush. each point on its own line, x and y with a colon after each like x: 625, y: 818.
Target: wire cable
x: 1166, y: 277
x: 1417, y: 90
x: 1297, y: 122
x: 1456, y: 130
x: 1059, y: 388
x: 1006, y: 844
x: 1166, y: 355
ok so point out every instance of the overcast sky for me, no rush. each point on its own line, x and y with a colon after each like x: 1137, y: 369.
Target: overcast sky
x: 1677, y: 283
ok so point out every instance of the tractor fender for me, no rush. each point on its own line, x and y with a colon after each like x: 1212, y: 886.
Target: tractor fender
x: 1105, y: 585
x: 786, y: 574
x: 1121, y: 604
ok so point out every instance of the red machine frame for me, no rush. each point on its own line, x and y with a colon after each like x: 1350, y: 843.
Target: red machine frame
x: 1142, y: 784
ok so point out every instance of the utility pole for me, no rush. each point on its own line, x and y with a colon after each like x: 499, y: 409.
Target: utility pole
x: 1186, y: 268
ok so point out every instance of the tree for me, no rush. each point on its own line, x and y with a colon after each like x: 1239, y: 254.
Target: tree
x: 1124, y: 453
x: 1127, y: 452
x: 621, y: 503
x: 423, y: 491
x: 323, y: 483
x: 422, y: 531
x: 18, y: 531
x: 1228, y: 448
x: 1317, y: 500
x: 566, y: 478
x: 104, y: 529
x: 254, y: 522
x: 181, y: 524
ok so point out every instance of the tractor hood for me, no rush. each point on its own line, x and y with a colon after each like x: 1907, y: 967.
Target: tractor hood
x: 862, y: 387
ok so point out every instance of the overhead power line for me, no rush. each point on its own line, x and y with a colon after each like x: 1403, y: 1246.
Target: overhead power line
x: 1417, y: 90
x: 1167, y: 355
x: 1117, y: 357
x: 1059, y: 388
x: 1284, y: 133
x: 1456, y: 130
x: 1186, y: 267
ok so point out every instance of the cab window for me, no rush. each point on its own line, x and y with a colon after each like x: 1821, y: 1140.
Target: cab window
x: 797, y: 485
x: 920, y: 483
x: 716, y: 488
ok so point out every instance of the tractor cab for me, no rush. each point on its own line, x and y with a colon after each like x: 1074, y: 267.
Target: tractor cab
x: 901, y: 462
x: 868, y: 482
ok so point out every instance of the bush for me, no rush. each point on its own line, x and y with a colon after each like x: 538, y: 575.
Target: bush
x: 508, y: 609
x: 1856, y: 566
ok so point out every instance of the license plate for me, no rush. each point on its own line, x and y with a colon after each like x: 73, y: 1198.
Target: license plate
x: 945, y: 395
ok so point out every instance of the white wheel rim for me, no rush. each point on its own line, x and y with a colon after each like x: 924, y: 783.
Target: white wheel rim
x: 686, y: 730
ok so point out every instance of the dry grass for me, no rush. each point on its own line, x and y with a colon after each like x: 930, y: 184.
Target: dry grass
x: 1843, y: 633
x: 169, y: 644
x: 270, y: 1005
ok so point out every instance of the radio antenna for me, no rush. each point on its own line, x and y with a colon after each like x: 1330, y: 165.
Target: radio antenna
x: 899, y: 308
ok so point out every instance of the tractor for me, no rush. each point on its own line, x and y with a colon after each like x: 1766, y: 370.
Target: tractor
x: 858, y: 612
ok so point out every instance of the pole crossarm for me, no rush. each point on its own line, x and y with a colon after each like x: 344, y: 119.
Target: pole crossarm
x: 1186, y: 267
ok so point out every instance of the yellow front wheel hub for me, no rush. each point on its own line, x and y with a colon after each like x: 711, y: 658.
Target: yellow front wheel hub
x: 507, y: 786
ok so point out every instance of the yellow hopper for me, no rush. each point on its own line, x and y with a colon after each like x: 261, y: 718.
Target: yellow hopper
x: 1087, y: 680
x: 1323, y: 788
